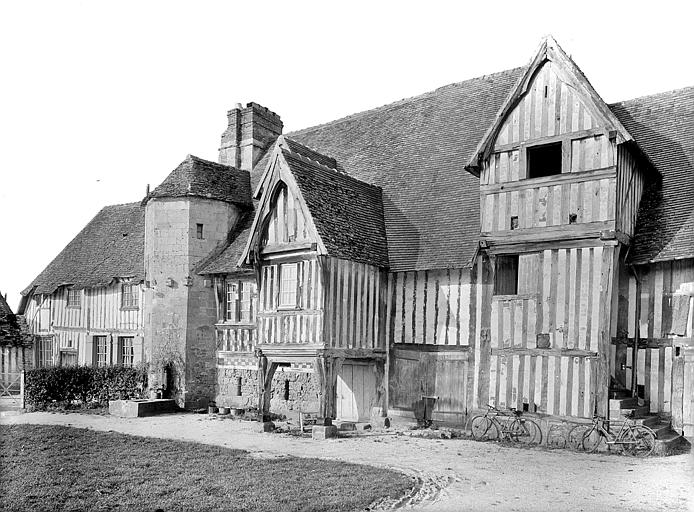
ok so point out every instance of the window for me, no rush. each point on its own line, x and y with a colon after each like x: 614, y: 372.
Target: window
x: 129, y: 296
x: 126, y: 350
x: 240, y: 304
x: 44, y: 351
x: 232, y: 296
x: 100, y: 351
x: 288, y: 285
x: 544, y: 160
x: 73, y: 298
x: 517, y: 274
x: 506, y: 276
x: 198, y: 231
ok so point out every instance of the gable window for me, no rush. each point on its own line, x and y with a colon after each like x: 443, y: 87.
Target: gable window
x: 543, y: 160
x: 126, y: 350
x: 199, y: 231
x: 288, y: 285
x: 129, y: 296
x: 73, y: 298
x: 240, y: 304
x: 100, y: 351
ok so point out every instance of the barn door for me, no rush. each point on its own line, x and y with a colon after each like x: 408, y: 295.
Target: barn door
x: 683, y: 391
x: 356, y: 391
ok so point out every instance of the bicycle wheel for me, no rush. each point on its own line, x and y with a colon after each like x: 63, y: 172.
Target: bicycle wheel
x: 574, y: 439
x: 556, y: 437
x: 591, y: 439
x: 479, y: 427
x: 525, y: 431
x: 639, y: 441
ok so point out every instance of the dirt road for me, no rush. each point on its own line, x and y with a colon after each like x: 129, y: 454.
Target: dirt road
x: 455, y: 475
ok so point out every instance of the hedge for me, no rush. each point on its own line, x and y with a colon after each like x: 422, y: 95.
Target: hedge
x: 63, y: 386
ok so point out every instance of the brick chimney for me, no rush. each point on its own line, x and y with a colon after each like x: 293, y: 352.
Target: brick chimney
x: 250, y: 132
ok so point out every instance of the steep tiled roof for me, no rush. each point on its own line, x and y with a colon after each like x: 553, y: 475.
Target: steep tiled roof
x: 111, y: 245
x: 347, y: 213
x: 416, y: 150
x: 663, y: 127
x: 13, y: 328
x: 224, y: 260
x: 202, y: 178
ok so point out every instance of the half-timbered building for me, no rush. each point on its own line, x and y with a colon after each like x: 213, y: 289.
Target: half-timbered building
x: 509, y: 240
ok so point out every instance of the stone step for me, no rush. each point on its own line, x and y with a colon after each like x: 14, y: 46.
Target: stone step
x: 624, y: 403
x: 640, y: 411
x: 671, y: 443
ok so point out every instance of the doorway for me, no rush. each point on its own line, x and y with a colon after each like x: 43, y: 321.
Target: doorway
x: 356, y: 391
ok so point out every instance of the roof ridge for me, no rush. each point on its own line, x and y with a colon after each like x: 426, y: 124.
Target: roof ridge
x: 205, y: 160
x: 663, y: 93
x: 320, y: 166
x: 399, y: 102
x: 133, y: 203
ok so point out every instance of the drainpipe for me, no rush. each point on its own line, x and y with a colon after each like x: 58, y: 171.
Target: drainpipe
x: 637, y: 326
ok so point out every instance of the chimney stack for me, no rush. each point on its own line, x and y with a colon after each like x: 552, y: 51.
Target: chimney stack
x: 250, y: 132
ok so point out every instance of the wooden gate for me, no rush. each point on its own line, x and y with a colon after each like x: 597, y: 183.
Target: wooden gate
x: 12, y: 360
x: 356, y: 391
x: 444, y: 375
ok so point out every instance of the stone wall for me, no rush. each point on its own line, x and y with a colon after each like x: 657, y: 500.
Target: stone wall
x: 303, y: 390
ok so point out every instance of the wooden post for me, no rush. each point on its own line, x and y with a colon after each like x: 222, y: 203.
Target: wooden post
x: 327, y: 377
x: 21, y: 388
x: 265, y: 375
x: 605, y: 313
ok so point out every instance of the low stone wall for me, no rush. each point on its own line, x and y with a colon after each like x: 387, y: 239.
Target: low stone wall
x: 303, y: 390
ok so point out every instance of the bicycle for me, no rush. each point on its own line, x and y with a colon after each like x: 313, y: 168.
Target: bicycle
x: 497, y: 424
x: 632, y: 439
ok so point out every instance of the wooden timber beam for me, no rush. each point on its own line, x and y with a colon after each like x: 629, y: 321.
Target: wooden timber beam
x: 550, y: 181
x: 655, y: 342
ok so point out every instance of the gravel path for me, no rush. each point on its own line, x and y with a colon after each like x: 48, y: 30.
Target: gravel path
x: 453, y: 475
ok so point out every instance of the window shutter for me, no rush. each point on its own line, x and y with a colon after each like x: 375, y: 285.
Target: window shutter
x: 119, y: 350
x: 237, y: 306
x: 137, y: 350
x: 299, y: 283
x: 90, y: 355
x: 220, y: 292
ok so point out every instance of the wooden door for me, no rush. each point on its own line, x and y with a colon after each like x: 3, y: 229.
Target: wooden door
x: 356, y: 392
x: 450, y: 387
x: 683, y: 391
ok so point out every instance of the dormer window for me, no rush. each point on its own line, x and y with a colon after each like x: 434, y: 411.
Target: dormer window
x: 73, y: 298
x: 543, y: 160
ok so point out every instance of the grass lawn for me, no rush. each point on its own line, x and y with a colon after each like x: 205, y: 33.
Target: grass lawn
x: 61, y: 468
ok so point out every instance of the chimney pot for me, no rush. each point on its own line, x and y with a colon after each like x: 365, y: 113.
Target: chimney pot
x: 238, y: 106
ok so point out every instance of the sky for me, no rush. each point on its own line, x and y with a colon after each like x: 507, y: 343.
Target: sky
x: 99, y: 99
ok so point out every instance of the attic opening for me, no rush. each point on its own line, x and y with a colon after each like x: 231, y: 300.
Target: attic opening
x: 543, y: 160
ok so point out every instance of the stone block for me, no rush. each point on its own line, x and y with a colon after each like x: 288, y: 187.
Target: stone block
x: 264, y: 426
x: 345, y: 426
x: 141, y: 408
x: 321, y: 432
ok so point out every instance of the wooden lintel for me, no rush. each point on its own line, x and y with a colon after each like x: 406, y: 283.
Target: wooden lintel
x: 353, y: 353
x: 499, y: 242
x: 520, y: 351
x: 546, y: 181
x: 289, y: 351
x: 420, y: 347
x: 591, y: 132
